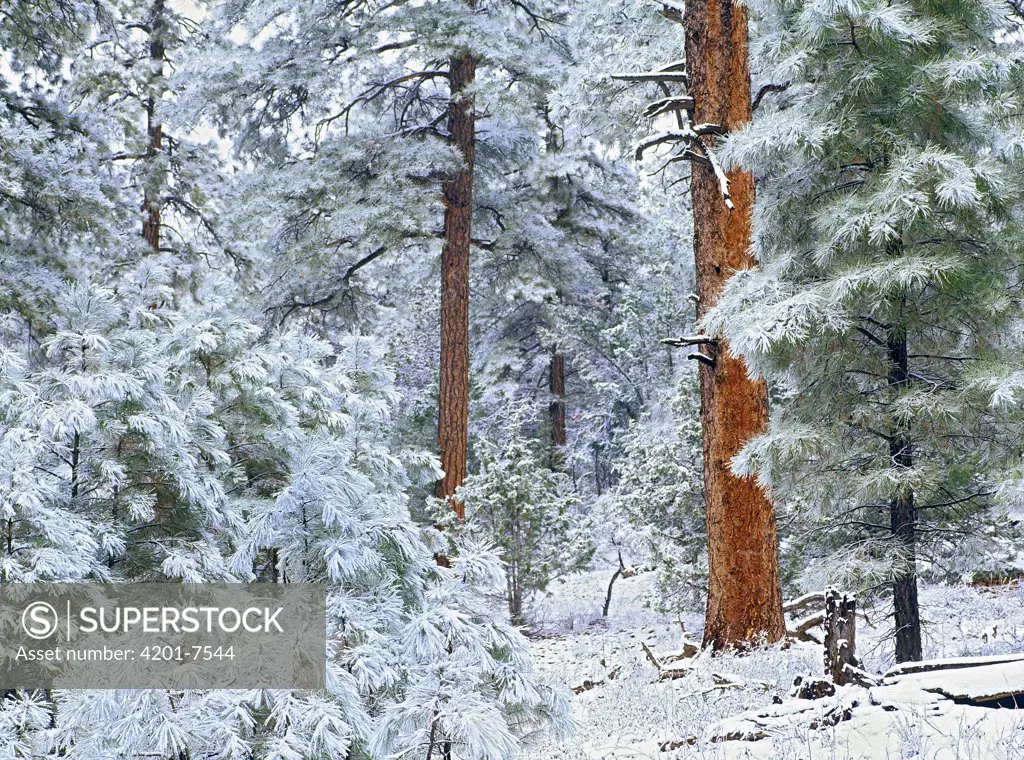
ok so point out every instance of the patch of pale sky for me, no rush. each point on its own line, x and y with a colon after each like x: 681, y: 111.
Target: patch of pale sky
x: 188, y: 9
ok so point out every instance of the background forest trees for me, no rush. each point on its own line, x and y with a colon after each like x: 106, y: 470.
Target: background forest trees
x: 242, y: 243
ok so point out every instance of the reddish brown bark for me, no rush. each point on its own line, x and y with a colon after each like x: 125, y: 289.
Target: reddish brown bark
x: 151, y: 204
x: 556, y: 409
x: 744, y: 597
x: 151, y: 201
x: 453, y: 407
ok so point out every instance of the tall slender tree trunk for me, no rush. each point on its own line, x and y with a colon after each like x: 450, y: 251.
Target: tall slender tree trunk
x: 556, y: 409
x: 902, y: 514
x: 453, y: 407
x: 744, y: 597
x: 151, y: 203
x: 151, y: 200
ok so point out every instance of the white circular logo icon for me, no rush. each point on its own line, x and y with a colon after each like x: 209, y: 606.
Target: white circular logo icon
x: 39, y: 620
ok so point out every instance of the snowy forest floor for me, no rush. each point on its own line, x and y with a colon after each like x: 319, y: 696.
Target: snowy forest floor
x: 626, y: 713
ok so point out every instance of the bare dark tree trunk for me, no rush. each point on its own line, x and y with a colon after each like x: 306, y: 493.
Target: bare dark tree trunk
x: 515, y: 602
x: 151, y: 203
x: 76, y: 452
x: 902, y: 514
x: 556, y: 409
x: 744, y: 596
x: 453, y: 408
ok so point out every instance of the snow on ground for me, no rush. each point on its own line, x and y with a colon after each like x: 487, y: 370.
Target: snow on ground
x: 624, y: 711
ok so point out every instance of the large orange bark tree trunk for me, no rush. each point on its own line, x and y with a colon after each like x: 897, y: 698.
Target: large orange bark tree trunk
x: 453, y: 406
x: 744, y: 597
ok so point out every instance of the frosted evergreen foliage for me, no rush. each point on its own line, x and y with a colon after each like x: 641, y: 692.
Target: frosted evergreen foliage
x: 119, y: 449
x: 889, y: 208
x: 527, y: 511
x: 306, y: 487
x: 158, y: 426
x: 471, y: 688
x: 344, y: 106
x: 658, y: 501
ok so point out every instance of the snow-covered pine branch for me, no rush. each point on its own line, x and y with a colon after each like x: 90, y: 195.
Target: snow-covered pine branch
x: 670, y: 104
x: 670, y: 72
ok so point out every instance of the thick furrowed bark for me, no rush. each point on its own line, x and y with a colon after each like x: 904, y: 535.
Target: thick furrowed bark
x: 453, y: 406
x: 744, y: 597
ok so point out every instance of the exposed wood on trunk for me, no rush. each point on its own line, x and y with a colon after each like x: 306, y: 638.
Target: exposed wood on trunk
x: 744, y: 597
x: 556, y: 409
x: 453, y: 406
x: 902, y: 513
x: 151, y: 203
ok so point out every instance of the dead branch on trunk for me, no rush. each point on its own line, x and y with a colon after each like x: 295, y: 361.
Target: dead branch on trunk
x: 802, y: 602
x: 668, y: 105
x: 690, y: 340
x: 801, y: 627
x: 670, y: 72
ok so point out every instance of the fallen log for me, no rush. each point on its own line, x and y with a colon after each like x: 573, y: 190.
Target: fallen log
x: 952, y: 663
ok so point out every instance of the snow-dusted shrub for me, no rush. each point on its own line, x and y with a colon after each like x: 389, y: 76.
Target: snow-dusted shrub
x: 660, y: 495
x: 529, y: 512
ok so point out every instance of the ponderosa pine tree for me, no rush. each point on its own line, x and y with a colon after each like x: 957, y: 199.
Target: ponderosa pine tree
x: 888, y: 229
x: 744, y: 595
x: 744, y: 603
x: 453, y: 385
x: 355, y: 161
x: 552, y: 282
x: 393, y: 122
x: 156, y: 29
